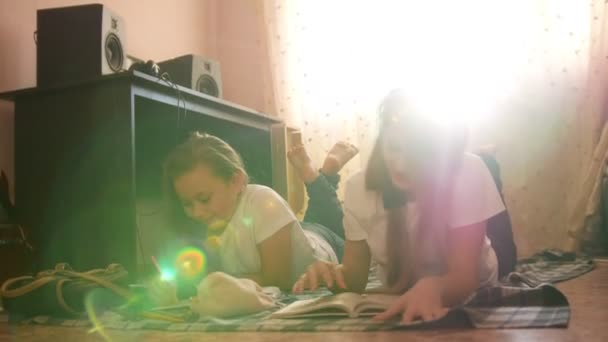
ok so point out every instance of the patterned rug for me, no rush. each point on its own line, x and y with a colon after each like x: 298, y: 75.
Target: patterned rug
x: 550, y: 266
x: 528, y: 300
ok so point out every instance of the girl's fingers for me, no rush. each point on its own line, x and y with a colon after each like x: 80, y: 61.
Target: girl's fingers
x: 434, y: 314
x: 427, y: 315
x: 408, y: 314
x: 391, y: 312
x: 312, y: 278
x: 299, y: 285
x: 339, y: 277
x: 325, y: 273
x: 440, y: 313
x: 320, y: 271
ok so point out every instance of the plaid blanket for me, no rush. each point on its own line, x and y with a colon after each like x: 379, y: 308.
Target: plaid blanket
x: 534, y: 305
x: 549, y: 266
x: 490, y: 308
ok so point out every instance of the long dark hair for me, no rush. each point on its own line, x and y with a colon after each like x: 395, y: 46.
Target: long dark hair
x: 437, y: 150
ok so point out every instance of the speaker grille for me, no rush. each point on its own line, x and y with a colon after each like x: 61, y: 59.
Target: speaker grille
x: 114, y: 53
x: 207, y: 85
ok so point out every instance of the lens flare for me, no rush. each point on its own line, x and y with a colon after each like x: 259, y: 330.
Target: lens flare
x: 93, y: 309
x: 191, y: 261
x: 167, y: 274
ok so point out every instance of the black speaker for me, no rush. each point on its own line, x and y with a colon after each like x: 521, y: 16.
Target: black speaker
x: 195, y: 72
x: 78, y: 43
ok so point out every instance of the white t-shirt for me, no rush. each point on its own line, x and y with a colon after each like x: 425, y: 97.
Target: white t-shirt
x: 474, y: 199
x: 261, y: 213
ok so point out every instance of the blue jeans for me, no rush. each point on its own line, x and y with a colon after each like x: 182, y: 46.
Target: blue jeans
x: 324, y: 214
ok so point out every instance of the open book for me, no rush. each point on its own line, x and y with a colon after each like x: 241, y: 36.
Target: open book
x: 346, y: 304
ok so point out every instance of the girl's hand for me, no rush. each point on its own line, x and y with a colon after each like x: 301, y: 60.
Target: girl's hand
x: 320, y: 272
x: 421, y: 301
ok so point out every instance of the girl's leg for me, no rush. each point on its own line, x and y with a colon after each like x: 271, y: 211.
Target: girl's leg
x: 324, y: 207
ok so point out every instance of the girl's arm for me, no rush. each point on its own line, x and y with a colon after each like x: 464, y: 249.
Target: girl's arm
x: 272, y: 227
x: 356, y: 263
x: 429, y: 297
x: 350, y: 276
x: 276, y: 258
x: 463, y: 254
x: 275, y: 254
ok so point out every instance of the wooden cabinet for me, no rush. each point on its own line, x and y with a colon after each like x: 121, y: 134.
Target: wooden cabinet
x: 88, y: 162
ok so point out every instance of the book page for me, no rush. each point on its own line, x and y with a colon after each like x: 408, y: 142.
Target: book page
x: 372, y: 304
x: 342, y: 304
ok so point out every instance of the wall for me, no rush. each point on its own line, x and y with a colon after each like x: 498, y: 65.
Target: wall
x: 226, y: 30
x: 237, y: 41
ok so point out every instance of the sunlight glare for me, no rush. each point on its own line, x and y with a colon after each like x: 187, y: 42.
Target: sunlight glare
x: 457, y: 59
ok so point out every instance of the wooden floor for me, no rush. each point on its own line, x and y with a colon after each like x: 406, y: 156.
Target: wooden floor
x: 588, y: 296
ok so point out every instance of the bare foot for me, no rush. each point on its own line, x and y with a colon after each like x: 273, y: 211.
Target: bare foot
x: 338, y: 156
x: 302, y: 163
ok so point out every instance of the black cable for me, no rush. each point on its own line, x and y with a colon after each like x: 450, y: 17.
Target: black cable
x: 166, y: 77
x: 179, y: 95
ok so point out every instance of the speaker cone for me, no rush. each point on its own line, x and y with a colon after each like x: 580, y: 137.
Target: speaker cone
x: 207, y: 85
x: 114, y: 53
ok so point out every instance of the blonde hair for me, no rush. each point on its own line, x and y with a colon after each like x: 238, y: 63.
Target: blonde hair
x: 199, y: 149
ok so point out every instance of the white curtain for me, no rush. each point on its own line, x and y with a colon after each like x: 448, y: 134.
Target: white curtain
x: 527, y: 75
